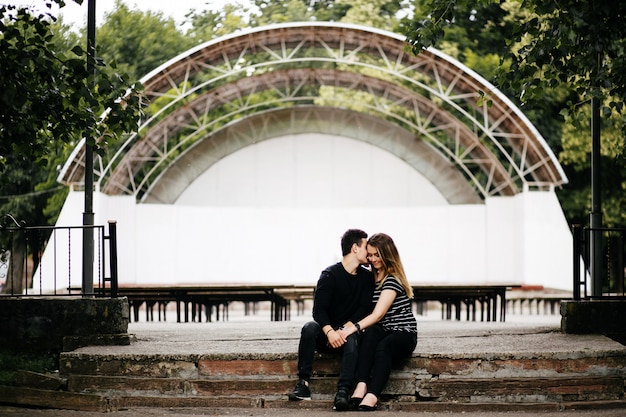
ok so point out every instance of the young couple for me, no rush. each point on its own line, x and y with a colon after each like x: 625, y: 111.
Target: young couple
x: 364, y: 314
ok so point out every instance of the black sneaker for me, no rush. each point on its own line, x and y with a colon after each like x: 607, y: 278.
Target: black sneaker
x: 300, y: 392
x: 342, y: 402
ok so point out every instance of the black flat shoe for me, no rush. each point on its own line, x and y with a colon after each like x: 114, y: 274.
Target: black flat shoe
x: 364, y: 407
x: 355, y: 400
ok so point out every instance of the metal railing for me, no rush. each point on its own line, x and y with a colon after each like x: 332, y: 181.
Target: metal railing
x: 611, y: 252
x: 47, y: 260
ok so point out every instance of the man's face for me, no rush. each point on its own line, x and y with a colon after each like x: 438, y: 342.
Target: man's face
x: 361, y: 251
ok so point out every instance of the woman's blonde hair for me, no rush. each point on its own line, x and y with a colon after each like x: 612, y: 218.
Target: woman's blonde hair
x: 390, y: 258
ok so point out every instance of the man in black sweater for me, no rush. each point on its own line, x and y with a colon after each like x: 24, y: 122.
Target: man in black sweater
x: 343, y: 296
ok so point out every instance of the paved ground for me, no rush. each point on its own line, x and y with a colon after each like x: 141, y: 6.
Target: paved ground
x: 521, y: 336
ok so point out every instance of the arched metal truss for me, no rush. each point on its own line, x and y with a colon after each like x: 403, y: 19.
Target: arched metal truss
x: 324, y: 77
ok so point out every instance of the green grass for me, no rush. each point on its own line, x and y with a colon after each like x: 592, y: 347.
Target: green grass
x: 11, y: 362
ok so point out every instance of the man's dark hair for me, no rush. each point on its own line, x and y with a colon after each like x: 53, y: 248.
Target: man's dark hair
x: 349, y: 238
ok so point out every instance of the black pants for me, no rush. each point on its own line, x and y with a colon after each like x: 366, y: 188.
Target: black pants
x: 313, y: 339
x: 378, y: 350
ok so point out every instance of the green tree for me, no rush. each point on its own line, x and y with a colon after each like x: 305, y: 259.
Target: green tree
x: 49, y: 101
x: 375, y: 13
x: 137, y: 42
x: 555, y: 57
x: 49, y: 95
x: 328, y: 10
x: 210, y: 24
x: 272, y: 11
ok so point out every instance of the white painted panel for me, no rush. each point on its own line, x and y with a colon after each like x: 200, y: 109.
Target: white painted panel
x: 311, y: 171
x: 447, y: 244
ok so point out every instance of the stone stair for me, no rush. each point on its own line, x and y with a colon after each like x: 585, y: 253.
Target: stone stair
x: 489, y: 369
x: 421, y: 383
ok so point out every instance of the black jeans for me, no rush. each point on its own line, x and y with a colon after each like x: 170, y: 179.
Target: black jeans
x: 378, y: 350
x: 311, y: 339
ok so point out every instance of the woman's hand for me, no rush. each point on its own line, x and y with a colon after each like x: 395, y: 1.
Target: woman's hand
x: 345, y: 332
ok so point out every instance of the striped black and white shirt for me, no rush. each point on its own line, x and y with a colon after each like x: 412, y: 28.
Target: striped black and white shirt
x: 400, y: 316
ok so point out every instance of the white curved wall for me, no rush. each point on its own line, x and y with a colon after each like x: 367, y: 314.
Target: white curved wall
x: 310, y: 170
x: 274, y: 213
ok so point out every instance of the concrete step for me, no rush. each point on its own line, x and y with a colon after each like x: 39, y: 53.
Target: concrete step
x: 518, y: 390
x: 505, y: 365
x: 456, y: 367
x: 54, y: 399
x: 268, y: 377
x: 529, y: 390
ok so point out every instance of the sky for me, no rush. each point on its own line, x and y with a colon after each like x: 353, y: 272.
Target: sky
x: 75, y: 14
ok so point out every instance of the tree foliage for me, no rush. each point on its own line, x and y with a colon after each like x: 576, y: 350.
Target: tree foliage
x: 210, y: 24
x: 50, y: 99
x: 138, y: 42
x: 554, y: 57
x: 270, y: 11
x: 374, y: 13
x: 49, y: 95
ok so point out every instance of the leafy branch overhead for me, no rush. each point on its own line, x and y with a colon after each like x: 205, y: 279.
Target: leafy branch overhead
x: 550, y: 43
x: 49, y: 95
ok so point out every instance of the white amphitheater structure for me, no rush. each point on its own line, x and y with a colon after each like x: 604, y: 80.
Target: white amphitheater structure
x: 260, y: 148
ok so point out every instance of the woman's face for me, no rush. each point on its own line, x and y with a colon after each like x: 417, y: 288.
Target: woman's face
x: 374, y: 257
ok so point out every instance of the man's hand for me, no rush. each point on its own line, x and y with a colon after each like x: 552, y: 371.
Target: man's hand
x: 336, y: 339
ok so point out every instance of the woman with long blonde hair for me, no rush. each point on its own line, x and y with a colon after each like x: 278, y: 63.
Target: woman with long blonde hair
x: 391, y: 327
x: 389, y: 262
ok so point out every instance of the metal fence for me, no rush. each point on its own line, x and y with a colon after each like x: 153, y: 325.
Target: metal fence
x: 611, y: 254
x: 47, y: 260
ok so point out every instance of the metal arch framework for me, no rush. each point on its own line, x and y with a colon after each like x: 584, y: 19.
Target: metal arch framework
x: 197, y: 99
x: 311, y: 119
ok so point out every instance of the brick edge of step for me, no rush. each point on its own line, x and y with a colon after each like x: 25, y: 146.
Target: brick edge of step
x: 54, y: 399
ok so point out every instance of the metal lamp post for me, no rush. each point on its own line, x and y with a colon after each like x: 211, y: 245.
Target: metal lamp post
x: 595, y: 220
x: 88, y: 215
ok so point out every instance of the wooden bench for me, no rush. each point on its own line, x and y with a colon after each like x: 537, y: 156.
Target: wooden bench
x: 490, y: 299
x: 192, y: 300
x: 536, y: 300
